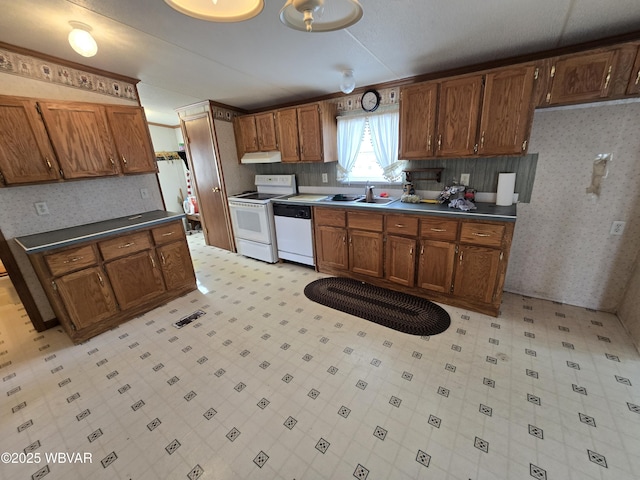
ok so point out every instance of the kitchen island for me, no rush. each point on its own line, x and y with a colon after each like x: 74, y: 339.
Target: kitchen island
x: 99, y: 275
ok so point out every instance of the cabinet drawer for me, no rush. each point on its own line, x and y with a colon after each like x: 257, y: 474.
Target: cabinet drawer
x: 69, y: 260
x: 365, y: 221
x: 487, y: 234
x: 125, y: 245
x: 402, y: 225
x: 439, y: 228
x: 167, y: 233
x: 331, y: 217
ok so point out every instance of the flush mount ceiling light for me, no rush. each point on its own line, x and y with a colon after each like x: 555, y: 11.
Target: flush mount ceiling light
x: 320, y: 15
x: 81, y: 40
x: 348, y: 82
x: 218, y: 10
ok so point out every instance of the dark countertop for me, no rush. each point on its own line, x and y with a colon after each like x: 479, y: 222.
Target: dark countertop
x: 487, y: 211
x: 41, y: 242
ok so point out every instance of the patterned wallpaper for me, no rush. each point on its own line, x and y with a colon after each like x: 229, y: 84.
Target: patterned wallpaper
x: 50, y: 72
x: 562, y: 249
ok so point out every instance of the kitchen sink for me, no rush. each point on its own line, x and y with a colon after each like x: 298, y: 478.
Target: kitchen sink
x: 344, y: 198
x: 378, y: 200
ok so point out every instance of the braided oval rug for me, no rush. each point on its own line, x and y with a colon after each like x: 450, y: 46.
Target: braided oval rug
x: 400, y: 311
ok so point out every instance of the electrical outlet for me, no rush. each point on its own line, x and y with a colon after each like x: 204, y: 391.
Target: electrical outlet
x: 617, y: 228
x: 144, y: 192
x: 325, y: 178
x: 464, y: 179
x: 41, y: 208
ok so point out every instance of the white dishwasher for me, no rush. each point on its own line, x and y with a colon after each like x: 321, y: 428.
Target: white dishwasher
x: 294, y: 232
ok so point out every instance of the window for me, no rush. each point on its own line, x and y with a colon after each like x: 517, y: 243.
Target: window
x: 368, y: 148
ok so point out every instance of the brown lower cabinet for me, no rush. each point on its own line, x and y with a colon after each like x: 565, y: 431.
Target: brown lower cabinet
x: 456, y: 261
x: 95, y: 285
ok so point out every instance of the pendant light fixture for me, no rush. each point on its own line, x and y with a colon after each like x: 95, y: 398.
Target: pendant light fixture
x: 81, y: 40
x: 348, y: 82
x: 218, y: 10
x: 320, y: 15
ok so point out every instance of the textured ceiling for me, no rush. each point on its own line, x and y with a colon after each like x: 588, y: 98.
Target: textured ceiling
x: 260, y: 62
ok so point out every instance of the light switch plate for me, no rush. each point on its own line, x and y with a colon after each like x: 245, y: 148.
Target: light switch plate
x: 464, y: 179
x: 41, y: 208
x: 325, y: 178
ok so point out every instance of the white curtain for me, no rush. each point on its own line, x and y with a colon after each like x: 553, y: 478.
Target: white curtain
x: 350, y: 131
x: 384, y: 135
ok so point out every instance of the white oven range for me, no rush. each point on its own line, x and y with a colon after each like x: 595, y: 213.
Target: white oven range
x: 252, y: 216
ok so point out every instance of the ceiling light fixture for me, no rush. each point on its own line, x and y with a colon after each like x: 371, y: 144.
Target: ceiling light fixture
x: 320, y: 15
x: 218, y: 10
x: 81, y: 40
x: 348, y: 82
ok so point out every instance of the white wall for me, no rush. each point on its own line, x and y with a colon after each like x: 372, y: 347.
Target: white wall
x: 562, y: 249
x: 164, y: 139
x: 629, y: 311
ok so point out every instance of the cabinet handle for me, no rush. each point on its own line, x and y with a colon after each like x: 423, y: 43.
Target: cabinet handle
x: 46, y: 160
x: 481, y: 234
x: 164, y: 261
x: 127, y: 245
x: 153, y: 262
x: 113, y: 164
x: 422, y: 250
x: 167, y: 234
x: 400, y: 225
x: 638, y: 77
x: 482, y: 140
x: 100, y: 279
x: 606, y: 81
x: 411, y: 252
x: 440, y: 142
x: 461, y: 253
x: 438, y: 230
x: 73, y: 260
x: 429, y: 142
x: 344, y: 239
x: 215, y: 189
x: 124, y: 160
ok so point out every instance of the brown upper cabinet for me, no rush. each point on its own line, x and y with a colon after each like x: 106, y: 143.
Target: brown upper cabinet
x: 308, y: 133
x: 26, y: 154
x: 132, y: 139
x: 634, y: 80
x: 581, y: 77
x: 255, y: 133
x: 458, y: 114
x: 81, y: 139
x: 507, y: 111
x: 44, y: 141
x: 483, y: 114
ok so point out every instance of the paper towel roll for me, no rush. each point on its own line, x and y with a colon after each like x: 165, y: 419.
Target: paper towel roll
x: 506, y: 188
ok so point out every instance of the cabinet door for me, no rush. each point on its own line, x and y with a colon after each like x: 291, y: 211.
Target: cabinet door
x: 401, y: 260
x: 580, y: 78
x: 418, y: 120
x: 132, y: 140
x: 634, y: 80
x: 331, y: 247
x: 207, y: 178
x: 136, y: 279
x: 458, y: 114
x: 87, y: 296
x: 507, y: 111
x: 366, y: 253
x: 176, y: 264
x: 310, y: 133
x: 80, y: 138
x: 26, y: 154
x: 477, y: 273
x: 248, y: 133
x: 288, y: 134
x: 435, y: 271
x: 266, y: 132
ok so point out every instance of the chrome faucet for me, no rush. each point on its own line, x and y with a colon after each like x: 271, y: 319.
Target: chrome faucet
x: 368, y: 193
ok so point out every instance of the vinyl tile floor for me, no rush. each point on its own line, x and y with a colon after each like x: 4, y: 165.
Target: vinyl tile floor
x: 265, y: 384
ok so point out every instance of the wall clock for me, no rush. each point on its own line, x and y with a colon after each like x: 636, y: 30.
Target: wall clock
x: 370, y: 100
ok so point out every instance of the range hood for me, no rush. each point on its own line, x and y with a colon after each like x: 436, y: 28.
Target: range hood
x: 261, y: 157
